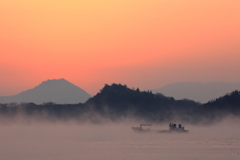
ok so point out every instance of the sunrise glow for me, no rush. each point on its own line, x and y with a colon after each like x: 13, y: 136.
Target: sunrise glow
x: 140, y: 43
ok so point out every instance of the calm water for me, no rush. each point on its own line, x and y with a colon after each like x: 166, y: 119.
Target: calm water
x: 116, y: 142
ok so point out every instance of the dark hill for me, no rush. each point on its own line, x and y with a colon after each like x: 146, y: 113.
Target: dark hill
x: 218, y: 109
x: 119, y: 100
x: 228, y: 103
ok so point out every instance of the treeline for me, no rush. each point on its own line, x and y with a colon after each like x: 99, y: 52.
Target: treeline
x: 115, y: 102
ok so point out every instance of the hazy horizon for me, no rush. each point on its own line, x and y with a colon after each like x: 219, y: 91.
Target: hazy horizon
x: 197, y: 91
x: 142, y: 89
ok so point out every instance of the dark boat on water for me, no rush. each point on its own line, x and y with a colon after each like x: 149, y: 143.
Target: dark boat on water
x: 172, y: 129
x: 140, y: 129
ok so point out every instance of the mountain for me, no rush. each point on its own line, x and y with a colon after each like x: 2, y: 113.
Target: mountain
x: 197, y: 91
x: 116, y: 102
x: 227, y: 102
x: 57, y: 91
x: 218, y: 109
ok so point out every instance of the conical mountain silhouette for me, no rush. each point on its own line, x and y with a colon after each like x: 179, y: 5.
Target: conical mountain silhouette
x: 58, y: 91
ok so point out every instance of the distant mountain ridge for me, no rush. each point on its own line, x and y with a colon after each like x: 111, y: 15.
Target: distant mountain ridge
x: 116, y: 102
x: 197, y: 91
x: 57, y: 91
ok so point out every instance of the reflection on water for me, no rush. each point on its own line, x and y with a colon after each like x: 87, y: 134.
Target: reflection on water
x: 116, y: 141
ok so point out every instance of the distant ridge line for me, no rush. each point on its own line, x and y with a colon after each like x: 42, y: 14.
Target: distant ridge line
x: 197, y: 91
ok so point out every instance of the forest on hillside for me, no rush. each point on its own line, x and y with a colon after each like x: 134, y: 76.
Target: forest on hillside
x: 116, y: 102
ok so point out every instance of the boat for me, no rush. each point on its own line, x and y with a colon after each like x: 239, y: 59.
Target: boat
x: 172, y: 129
x: 140, y: 129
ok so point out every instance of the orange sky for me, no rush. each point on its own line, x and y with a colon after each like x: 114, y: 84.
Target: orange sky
x: 141, y: 43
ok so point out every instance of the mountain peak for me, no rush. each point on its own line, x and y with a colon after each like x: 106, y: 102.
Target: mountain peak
x: 52, y: 90
x: 54, y: 81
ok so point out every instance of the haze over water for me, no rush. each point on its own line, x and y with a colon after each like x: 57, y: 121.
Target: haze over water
x: 116, y: 141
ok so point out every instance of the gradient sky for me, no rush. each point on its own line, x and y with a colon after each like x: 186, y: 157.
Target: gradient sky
x: 140, y: 43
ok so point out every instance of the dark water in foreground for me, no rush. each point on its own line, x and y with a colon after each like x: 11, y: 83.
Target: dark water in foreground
x: 116, y: 142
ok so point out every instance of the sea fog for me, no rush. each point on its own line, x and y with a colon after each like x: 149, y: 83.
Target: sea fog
x: 116, y: 141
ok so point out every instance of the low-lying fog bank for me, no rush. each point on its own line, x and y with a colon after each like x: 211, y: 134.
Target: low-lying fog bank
x: 71, y: 140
